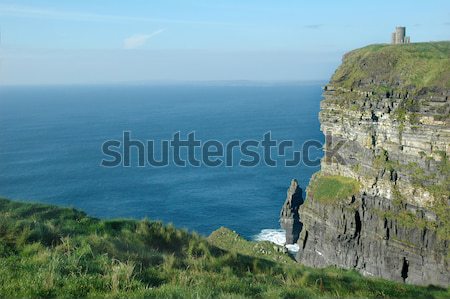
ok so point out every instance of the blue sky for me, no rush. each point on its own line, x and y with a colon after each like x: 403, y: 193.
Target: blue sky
x: 99, y: 41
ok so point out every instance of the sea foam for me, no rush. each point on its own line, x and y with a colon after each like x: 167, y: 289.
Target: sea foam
x: 277, y: 236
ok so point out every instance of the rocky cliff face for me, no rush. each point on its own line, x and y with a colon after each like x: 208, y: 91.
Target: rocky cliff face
x: 380, y: 203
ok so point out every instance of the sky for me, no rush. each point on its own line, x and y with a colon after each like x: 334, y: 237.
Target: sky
x: 108, y: 41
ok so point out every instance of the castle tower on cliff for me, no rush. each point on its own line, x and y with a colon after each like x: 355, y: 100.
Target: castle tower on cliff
x: 399, y: 36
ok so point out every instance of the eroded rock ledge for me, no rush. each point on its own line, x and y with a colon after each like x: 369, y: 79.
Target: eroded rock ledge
x: 382, y: 207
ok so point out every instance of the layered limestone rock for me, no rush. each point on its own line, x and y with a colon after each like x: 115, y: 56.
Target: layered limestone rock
x: 289, y: 217
x: 385, y: 113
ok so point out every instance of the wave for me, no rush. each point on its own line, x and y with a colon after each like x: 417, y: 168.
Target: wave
x: 277, y: 236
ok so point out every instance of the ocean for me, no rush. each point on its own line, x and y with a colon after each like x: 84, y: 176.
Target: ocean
x: 51, y: 150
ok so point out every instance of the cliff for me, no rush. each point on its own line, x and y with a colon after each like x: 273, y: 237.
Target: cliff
x: 380, y: 203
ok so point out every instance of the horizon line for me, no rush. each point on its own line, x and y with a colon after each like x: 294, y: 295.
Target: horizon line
x: 231, y: 82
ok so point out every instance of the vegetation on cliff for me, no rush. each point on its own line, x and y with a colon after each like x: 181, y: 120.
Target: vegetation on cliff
x: 415, y: 66
x: 411, y: 81
x: 47, y: 251
x: 331, y: 188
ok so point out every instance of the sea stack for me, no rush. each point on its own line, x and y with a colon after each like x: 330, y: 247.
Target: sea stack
x: 289, y: 216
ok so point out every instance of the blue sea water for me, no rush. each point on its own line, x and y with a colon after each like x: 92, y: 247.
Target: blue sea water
x: 51, y: 137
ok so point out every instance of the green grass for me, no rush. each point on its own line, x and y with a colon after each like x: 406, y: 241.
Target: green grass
x: 332, y: 188
x: 412, y: 66
x: 230, y: 240
x: 46, y: 251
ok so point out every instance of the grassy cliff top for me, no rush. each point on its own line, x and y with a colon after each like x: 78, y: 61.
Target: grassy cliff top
x: 332, y: 188
x: 46, y: 251
x: 409, y: 67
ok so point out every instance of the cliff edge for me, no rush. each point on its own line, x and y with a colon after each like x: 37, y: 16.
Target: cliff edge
x: 380, y: 203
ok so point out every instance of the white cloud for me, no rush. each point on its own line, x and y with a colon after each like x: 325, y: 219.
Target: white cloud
x: 138, y: 40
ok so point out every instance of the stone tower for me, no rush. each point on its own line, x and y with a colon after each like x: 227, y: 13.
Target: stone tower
x: 399, y: 36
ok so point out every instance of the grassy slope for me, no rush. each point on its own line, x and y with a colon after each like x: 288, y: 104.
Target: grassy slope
x: 47, y: 251
x: 412, y: 66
